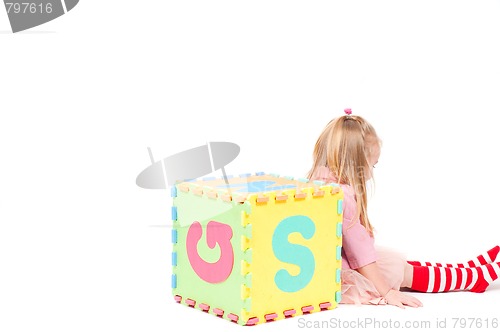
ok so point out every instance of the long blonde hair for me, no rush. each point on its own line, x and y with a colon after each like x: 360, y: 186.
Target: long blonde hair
x: 344, y: 147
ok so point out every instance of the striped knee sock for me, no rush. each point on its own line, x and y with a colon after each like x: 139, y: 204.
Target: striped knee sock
x: 486, y: 258
x: 433, y: 279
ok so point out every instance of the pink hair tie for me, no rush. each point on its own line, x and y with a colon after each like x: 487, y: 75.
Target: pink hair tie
x: 348, y: 111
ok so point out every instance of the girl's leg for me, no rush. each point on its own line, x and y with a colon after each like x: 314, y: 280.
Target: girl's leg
x: 486, y: 258
x: 432, y: 279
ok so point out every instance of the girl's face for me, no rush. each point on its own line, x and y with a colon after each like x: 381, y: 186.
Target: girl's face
x: 372, y: 159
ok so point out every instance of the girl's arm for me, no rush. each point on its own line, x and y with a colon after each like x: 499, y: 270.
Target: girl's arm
x: 393, y: 296
x: 372, y: 273
x: 359, y: 250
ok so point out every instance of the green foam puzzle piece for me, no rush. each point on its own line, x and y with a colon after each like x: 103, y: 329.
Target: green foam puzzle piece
x: 225, y: 295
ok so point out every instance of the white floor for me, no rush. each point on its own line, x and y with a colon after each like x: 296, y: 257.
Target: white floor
x: 450, y: 311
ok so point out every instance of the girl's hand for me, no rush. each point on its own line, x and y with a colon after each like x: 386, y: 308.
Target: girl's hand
x: 394, y: 297
x: 399, y: 299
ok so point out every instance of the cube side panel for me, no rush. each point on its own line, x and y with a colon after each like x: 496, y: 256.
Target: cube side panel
x: 294, y: 260
x: 208, y: 253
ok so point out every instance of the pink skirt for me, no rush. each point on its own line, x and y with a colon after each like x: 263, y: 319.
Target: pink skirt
x: 356, y: 289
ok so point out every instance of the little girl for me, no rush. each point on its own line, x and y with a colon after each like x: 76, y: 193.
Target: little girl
x: 346, y: 153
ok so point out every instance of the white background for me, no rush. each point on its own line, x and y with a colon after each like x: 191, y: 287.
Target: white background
x: 82, y: 248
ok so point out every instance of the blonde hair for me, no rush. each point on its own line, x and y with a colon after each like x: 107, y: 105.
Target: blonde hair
x: 344, y: 147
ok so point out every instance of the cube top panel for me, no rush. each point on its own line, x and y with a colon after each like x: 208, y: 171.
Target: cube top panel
x: 240, y: 188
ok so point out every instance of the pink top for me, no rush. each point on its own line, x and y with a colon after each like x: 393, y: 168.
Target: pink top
x: 358, y: 247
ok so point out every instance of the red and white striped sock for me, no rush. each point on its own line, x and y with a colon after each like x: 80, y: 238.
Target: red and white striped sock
x: 434, y: 279
x: 486, y: 258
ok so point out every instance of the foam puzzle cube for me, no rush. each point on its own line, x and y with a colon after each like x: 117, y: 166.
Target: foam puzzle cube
x: 260, y: 248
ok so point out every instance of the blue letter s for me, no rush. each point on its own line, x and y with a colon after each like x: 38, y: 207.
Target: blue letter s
x: 293, y: 253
